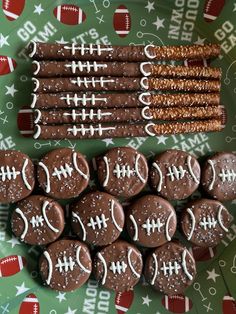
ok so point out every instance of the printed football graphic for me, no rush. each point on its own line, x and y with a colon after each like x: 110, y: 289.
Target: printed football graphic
x: 177, y: 303
x: 212, y: 9
x: 7, y: 65
x: 69, y: 14
x: 30, y: 305
x: 11, y: 265
x: 25, y: 121
x: 202, y: 254
x: 123, y: 301
x: 228, y: 305
x: 13, y: 8
x: 122, y: 21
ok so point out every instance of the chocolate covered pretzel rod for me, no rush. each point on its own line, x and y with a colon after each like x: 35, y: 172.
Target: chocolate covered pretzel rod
x: 128, y: 69
x: 99, y: 131
x: 122, y: 115
x: 122, y: 100
x: 45, y: 51
x: 49, y: 85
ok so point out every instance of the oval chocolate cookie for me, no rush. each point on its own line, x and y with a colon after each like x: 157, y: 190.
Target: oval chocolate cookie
x: 38, y: 220
x: 97, y: 218
x: 151, y: 221
x: 63, y: 173
x: 170, y: 268
x: 219, y: 176
x: 16, y: 176
x: 175, y: 174
x: 122, y: 171
x: 65, y: 265
x: 205, y: 222
x: 118, y: 266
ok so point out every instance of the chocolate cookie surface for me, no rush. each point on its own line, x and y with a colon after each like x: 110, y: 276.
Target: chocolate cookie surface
x: 151, y: 221
x: 175, y: 174
x: 219, y: 176
x: 97, y: 218
x: 205, y: 222
x: 122, y: 171
x: 65, y: 265
x: 16, y: 176
x: 170, y: 268
x: 118, y: 266
x: 38, y: 220
x: 63, y: 173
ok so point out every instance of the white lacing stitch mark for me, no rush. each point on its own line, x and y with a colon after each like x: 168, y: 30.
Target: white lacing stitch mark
x: 63, y: 171
x: 176, y: 173
x: 9, y: 259
x: 131, y: 265
x: 193, y: 223
x: 37, y: 221
x: 74, y: 215
x: 91, y: 114
x: 6, y: 4
x: 212, y: 165
x: 3, y: 58
x: 35, y: 309
x: 118, y: 267
x: 152, y: 225
x: 155, y: 165
x: 79, y: 262
x: 91, y: 129
x: 83, y: 100
x: 9, y: 173
x: 208, y: 5
x: 87, y: 66
x: 93, y: 81
x: 208, y: 222
x: 170, y: 268
x: 228, y: 175
x: 220, y: 218
x: 127, y: 21
x: 69, y: 8
x: 98, y: 222
x: 135, y: 237
x: 111, y: 209
x: 65, y: 264
x: 91, y: 49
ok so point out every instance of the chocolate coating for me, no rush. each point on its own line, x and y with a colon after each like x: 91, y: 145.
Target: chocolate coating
x: 151, y: 221
x: 70, y: 265
x: 205, y: 222
x: 122, y: 171
x: 118, y: 266
x: 170, y: 280
x: 175, y: 174
x: 219, y: 176
x: 97, y: 218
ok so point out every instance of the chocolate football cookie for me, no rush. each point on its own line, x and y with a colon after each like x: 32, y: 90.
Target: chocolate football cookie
x: 16, y: 176
x: 65, y: 265
x: 122, y: 171
x: 219, y: 176
x: 38, y: 220
x: 205, y: 222
x: 151, y: 221
x: 97, y: 218
x: 63, y: 173
x: 118, y: 266
x: 170, y: 268
x: 175, y: 174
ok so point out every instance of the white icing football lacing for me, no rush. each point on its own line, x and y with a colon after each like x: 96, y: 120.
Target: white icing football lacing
x: 62, y: 172
x: 91, y: 114
x: 9, y: 173
x: 98, y: 222
x: 228, y: 175
x: 87, y: 66
x: 91, y: 49
x: 152, y: 225
x: 208, y: 222
x: 176, y: 173
x: 37, y: 221
x: 118, y: 267
x: 91, y: 129
x: 65, y: 264
x: 170, y: 268
x: 82, y: 100
x: 93, y: 81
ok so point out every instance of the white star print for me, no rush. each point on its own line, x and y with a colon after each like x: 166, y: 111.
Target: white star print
x: 21, y: 289
x: 3, y: 40
x: 61, y: 296
x: 14, y: 241
x: 108, y: 141
x: 162, y: 139
x: 212, y: 275
x: 234, y: 7
x: 146, y: 300
x: 11, y: 90
x: 159, y: 23
x: 62, y: 41
x: 150, y: 6
x: 38, y: 9
x: 70, y: 311
x: 199, y: 41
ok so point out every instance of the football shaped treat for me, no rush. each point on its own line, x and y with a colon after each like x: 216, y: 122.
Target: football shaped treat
x: 65, y: 265
x: 170, y: 268
x: 122, y: 171
x: 175, y: 174
x: 16, y: 176
x: 205, y: 222
x: 97, y: 218
x: 118, y: 266
x: 63, y: 173
x: 219, y: 176
x: 38, y: 220
x: 151, y: 221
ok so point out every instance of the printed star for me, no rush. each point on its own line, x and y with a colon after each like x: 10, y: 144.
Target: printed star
x: 11, y: 90
x: 61, y: 296
x: 70, y: 311
x: 150, y: 6
x: 234, y: 7
x: 38, y: 9
x: 146, y: 300
x: 21, y: 289
x: 62, y: 41
x: 3, y: 40
x: 159, y: 23
x: 212, y: 275
x: 14, y: 241
x: 108, y: 141
x: 162, y: 139
x: 199, y: 41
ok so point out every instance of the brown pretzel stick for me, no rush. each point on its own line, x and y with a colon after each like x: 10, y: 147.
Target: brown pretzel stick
x: 124, y: 100
x: 48, y: 85
x: 122, y: 115
x: 87, y: 131
x: 45, y: 51
x: 128, y: 69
